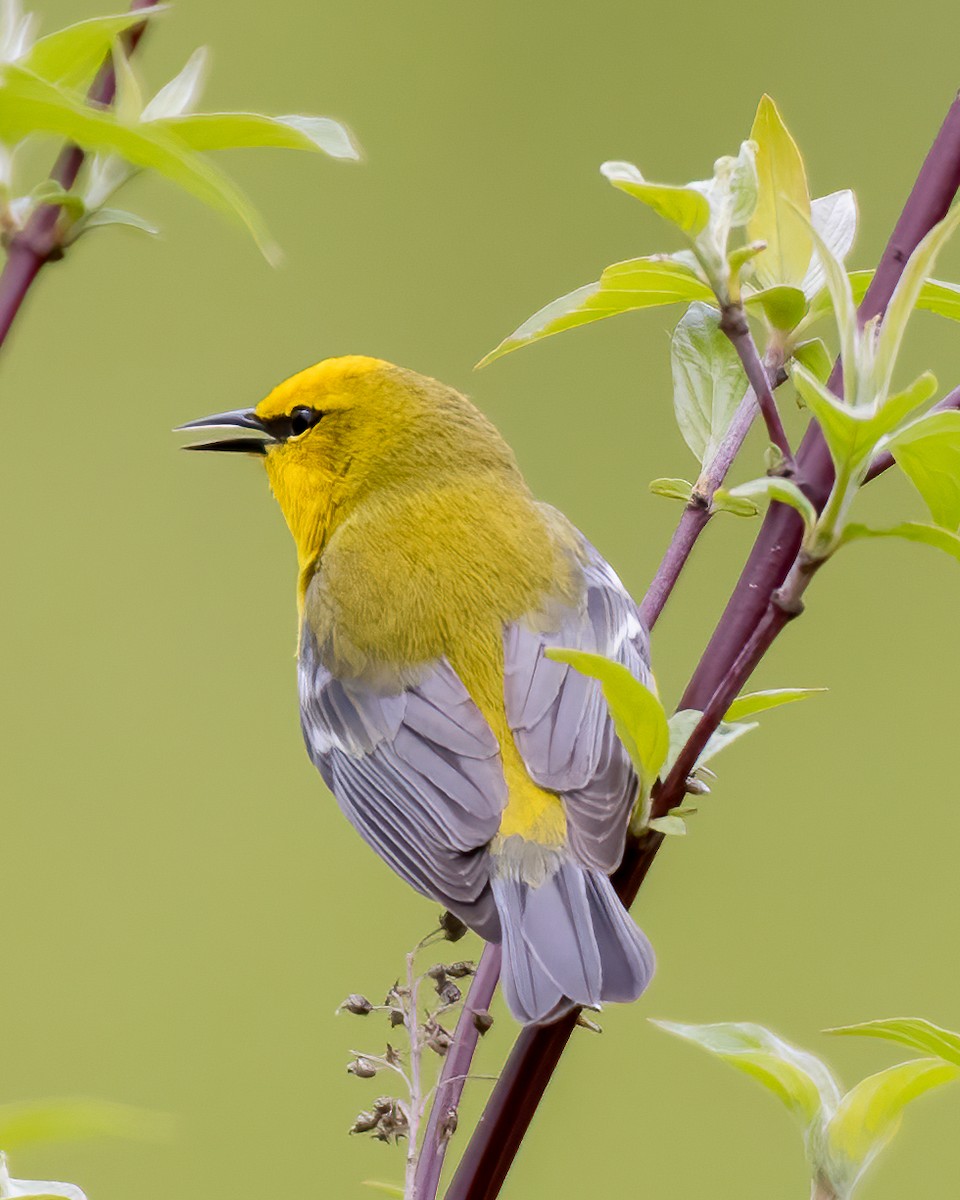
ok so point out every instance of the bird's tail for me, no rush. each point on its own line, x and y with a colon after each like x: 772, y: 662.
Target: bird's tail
x: 568, y: 940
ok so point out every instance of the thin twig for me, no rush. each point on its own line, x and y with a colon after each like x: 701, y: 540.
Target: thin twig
x: 411, y: 1018
x: 698, y: 511
x: 39, y: 241
x: 536, y: 1053
x: 454, y: 1073
x: 733, y: 322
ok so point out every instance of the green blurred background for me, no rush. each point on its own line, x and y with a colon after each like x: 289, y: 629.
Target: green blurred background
x: 184, y: 907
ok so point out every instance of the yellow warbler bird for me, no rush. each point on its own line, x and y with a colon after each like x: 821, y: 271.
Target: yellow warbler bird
x: 488, y: 776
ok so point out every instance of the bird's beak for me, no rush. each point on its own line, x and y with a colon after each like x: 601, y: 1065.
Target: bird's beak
x: 242, y: 418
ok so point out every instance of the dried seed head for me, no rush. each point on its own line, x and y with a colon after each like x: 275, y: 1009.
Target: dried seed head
x: 366, y: 1122
x: 397, y: 1017
x: 453, y: 928
x: 436, y: 1037
x: 437, y: 972
x: 363, y: 1068
x: 482, y: 1021
x: 383, y: 1104
x: 393, y: 1122
x: 449, y: 993
x: 447, y: 1126
x: 392, y: 1057
x: 460, y: 970
x: 355, y: 1003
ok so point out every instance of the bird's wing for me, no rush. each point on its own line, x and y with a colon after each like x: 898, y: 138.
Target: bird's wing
x: 560, y: 720
x: 417, y: 773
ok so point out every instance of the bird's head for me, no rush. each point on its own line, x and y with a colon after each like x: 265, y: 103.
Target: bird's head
x: 350, y: 427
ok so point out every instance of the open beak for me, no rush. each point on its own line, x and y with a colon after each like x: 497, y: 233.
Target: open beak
x: 239, y: 418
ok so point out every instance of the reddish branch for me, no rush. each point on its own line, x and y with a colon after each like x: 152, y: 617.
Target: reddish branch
x: 39, y: 241
x: 754, y: 617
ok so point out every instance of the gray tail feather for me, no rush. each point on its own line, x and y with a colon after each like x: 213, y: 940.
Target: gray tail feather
x: 568, y: 941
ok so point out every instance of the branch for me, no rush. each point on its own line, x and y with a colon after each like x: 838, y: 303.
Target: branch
x: 750, y: 624
x: 39, y: 242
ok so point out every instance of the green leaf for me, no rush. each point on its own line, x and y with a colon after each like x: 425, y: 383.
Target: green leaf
x: 390, y: 1188
x: 869, y: 1115
x: 784, y: 307
x: 673, y: 489
x: 935, y: 296
x: 914, y: 1032
x: 853, y: 433
x: 708, y: 380
x: 684, y: 207
x: 752, y: 703
x: 771, y: 487
x: 815, y: 357
x: 911, y: 531
x: 906, y: 295
x: 798, y: 1079
x: 119, y: 216
x: 782, y: 184
x: 228, y: 131
x: 670, y: 825
x: 30, y: 105
x: 928, y: 450
x: 72, y: 56
x: 72, y: 1120
x: 638, y: 715
x: 623, y: 287
x: 834, y: 217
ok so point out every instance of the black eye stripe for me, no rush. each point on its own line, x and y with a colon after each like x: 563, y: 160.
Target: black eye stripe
x: 292, y: 424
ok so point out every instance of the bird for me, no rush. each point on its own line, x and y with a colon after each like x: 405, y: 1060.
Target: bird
x: 430, y: 585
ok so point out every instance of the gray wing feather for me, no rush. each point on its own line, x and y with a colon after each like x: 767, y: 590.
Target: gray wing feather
x: 418, y: 774
x: 560, y: 720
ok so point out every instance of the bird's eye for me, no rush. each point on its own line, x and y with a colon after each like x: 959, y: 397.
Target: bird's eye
x: 302, y: 419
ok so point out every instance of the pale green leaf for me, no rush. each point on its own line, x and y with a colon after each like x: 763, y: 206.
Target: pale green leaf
x: 869, y: 1115
x: 31, y: 105
x: 914, y: 1032
x: 182, y: 92
x: 638, y: 715
x: 911, y: 531
x: 840, y: 292
x: 737, y: 506
x: 228, y: 131
x: 623, y: 287
x: 782, y: 184
x: 751, y: 703
x: 708, y: 380
x: 119, y: 216
x: 772, y: 487
x: 928, y: 450
x: 784, y: 307
x: 682, y: 724
x: 684, y: 207
x: 72, y: 56
x: 25, y: 1124
x: 834, y: 217
x: 739, y: 178
x: 815, y: 357
x: 798, y: 1079
x: 389, y: 1189
x: 670, y: 825
x: 128, y: 103
x: 906, y: 295
x: 673, y: 489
